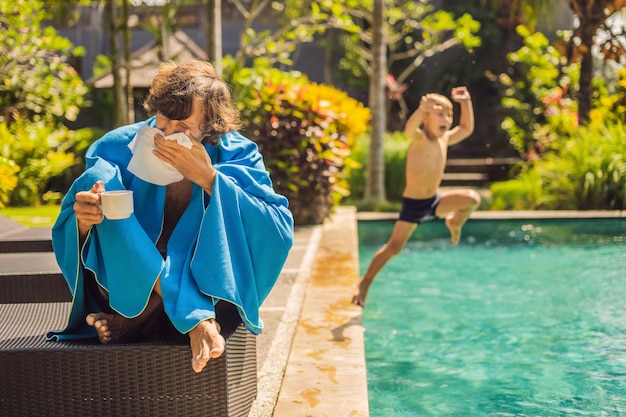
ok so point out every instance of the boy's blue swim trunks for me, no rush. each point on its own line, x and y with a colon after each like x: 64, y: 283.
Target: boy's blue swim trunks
x: 417, y: 211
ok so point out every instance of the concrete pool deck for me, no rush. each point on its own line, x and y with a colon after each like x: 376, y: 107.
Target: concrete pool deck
x: 312, y: 357
x: 314, y: 364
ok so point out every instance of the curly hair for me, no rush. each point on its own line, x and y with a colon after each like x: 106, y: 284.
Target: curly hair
x: 178, y: 85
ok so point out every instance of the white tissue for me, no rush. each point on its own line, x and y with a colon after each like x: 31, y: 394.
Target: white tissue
x: 145, y: 165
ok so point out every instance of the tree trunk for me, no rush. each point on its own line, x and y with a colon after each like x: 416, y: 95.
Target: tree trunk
x: 119, y: 99
x: 214, y: 33
x: 329, y: 52
x: 165, y: 43
x: 130, y: 98
x: 375, y: 186
x: 591, y: 15
x: 586, y: 74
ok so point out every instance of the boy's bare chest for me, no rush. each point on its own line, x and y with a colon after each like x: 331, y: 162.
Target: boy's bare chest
x: 427, y: 154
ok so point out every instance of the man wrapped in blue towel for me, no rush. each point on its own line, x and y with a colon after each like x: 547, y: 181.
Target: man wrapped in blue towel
x: 208, y: 237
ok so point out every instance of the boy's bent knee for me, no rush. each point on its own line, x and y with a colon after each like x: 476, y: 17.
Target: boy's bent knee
x: 473, y: 194
x: 393, y: 249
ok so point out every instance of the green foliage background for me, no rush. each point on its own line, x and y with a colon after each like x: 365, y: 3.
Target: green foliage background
x: 586, y: 170
x: 39, y: 90
x: 313, y: 136
x: 566, y: 166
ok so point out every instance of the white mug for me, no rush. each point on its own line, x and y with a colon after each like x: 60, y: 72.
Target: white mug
x: 117, y: 204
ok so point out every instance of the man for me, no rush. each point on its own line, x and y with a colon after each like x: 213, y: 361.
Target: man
x: 202, y: 246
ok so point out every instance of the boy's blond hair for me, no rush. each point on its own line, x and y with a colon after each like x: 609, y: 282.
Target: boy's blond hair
x: 442, y: 101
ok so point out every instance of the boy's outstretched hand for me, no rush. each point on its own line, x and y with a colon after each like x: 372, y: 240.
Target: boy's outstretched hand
x: 427, y: 103
x: 460, y: 94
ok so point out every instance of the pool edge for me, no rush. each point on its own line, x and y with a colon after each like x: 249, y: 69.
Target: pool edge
x: 510, y: 215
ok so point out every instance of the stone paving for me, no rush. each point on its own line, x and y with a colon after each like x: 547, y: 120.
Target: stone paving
x: 326, y: 373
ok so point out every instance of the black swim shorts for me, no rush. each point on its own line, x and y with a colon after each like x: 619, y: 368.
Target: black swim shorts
x: 416, y: 211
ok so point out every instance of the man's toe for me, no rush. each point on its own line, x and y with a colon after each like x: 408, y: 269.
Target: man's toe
x: 217, y: 349
x: 199, y: 362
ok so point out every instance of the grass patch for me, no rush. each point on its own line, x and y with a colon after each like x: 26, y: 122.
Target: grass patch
x: 42, y: 216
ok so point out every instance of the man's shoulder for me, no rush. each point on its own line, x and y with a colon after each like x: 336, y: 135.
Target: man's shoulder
x: 115, y: 141
x: 235, y: 139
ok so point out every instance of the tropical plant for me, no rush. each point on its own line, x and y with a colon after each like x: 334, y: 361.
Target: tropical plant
x: 39, y: 90
x: 615, y: 103
x: 567, y: 166
x: 539, y: 86
x: 36, y: 81
x: 586, y: 170
x: 305, y: 132
x: 8, y: 179
x: 522, y: 193
x: 41, y: 151
x: 593, y: 16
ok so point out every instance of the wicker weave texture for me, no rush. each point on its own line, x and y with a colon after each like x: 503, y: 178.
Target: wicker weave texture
x: 25, y: 245
x: 86, y: 379
x: 41, y: 379
x: 45, y: 287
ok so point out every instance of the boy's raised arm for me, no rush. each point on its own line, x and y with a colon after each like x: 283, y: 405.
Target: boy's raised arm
x: 416, y: 119
x: 466, y: 120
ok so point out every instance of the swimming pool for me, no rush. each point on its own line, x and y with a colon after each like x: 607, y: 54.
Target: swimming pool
x: 523, y: 318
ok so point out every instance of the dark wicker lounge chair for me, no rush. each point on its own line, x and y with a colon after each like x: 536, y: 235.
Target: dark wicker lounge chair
x: 153, y: 378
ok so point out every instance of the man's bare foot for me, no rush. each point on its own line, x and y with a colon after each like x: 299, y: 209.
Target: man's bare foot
x: 108, y: 326
x: 455, y: 230
x: 115, y: 328
x: 206, y: 343
x: 359, y: 299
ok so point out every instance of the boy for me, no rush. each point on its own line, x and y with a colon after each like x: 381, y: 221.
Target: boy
x: 429, y: 129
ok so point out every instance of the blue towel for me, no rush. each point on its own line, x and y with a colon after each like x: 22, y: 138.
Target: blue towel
x: 229, y: 246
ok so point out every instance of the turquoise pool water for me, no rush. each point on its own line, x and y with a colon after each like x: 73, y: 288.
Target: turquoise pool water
x: 523, y: 318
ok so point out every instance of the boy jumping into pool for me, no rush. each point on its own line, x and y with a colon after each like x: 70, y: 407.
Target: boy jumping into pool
x: 429, y: 129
